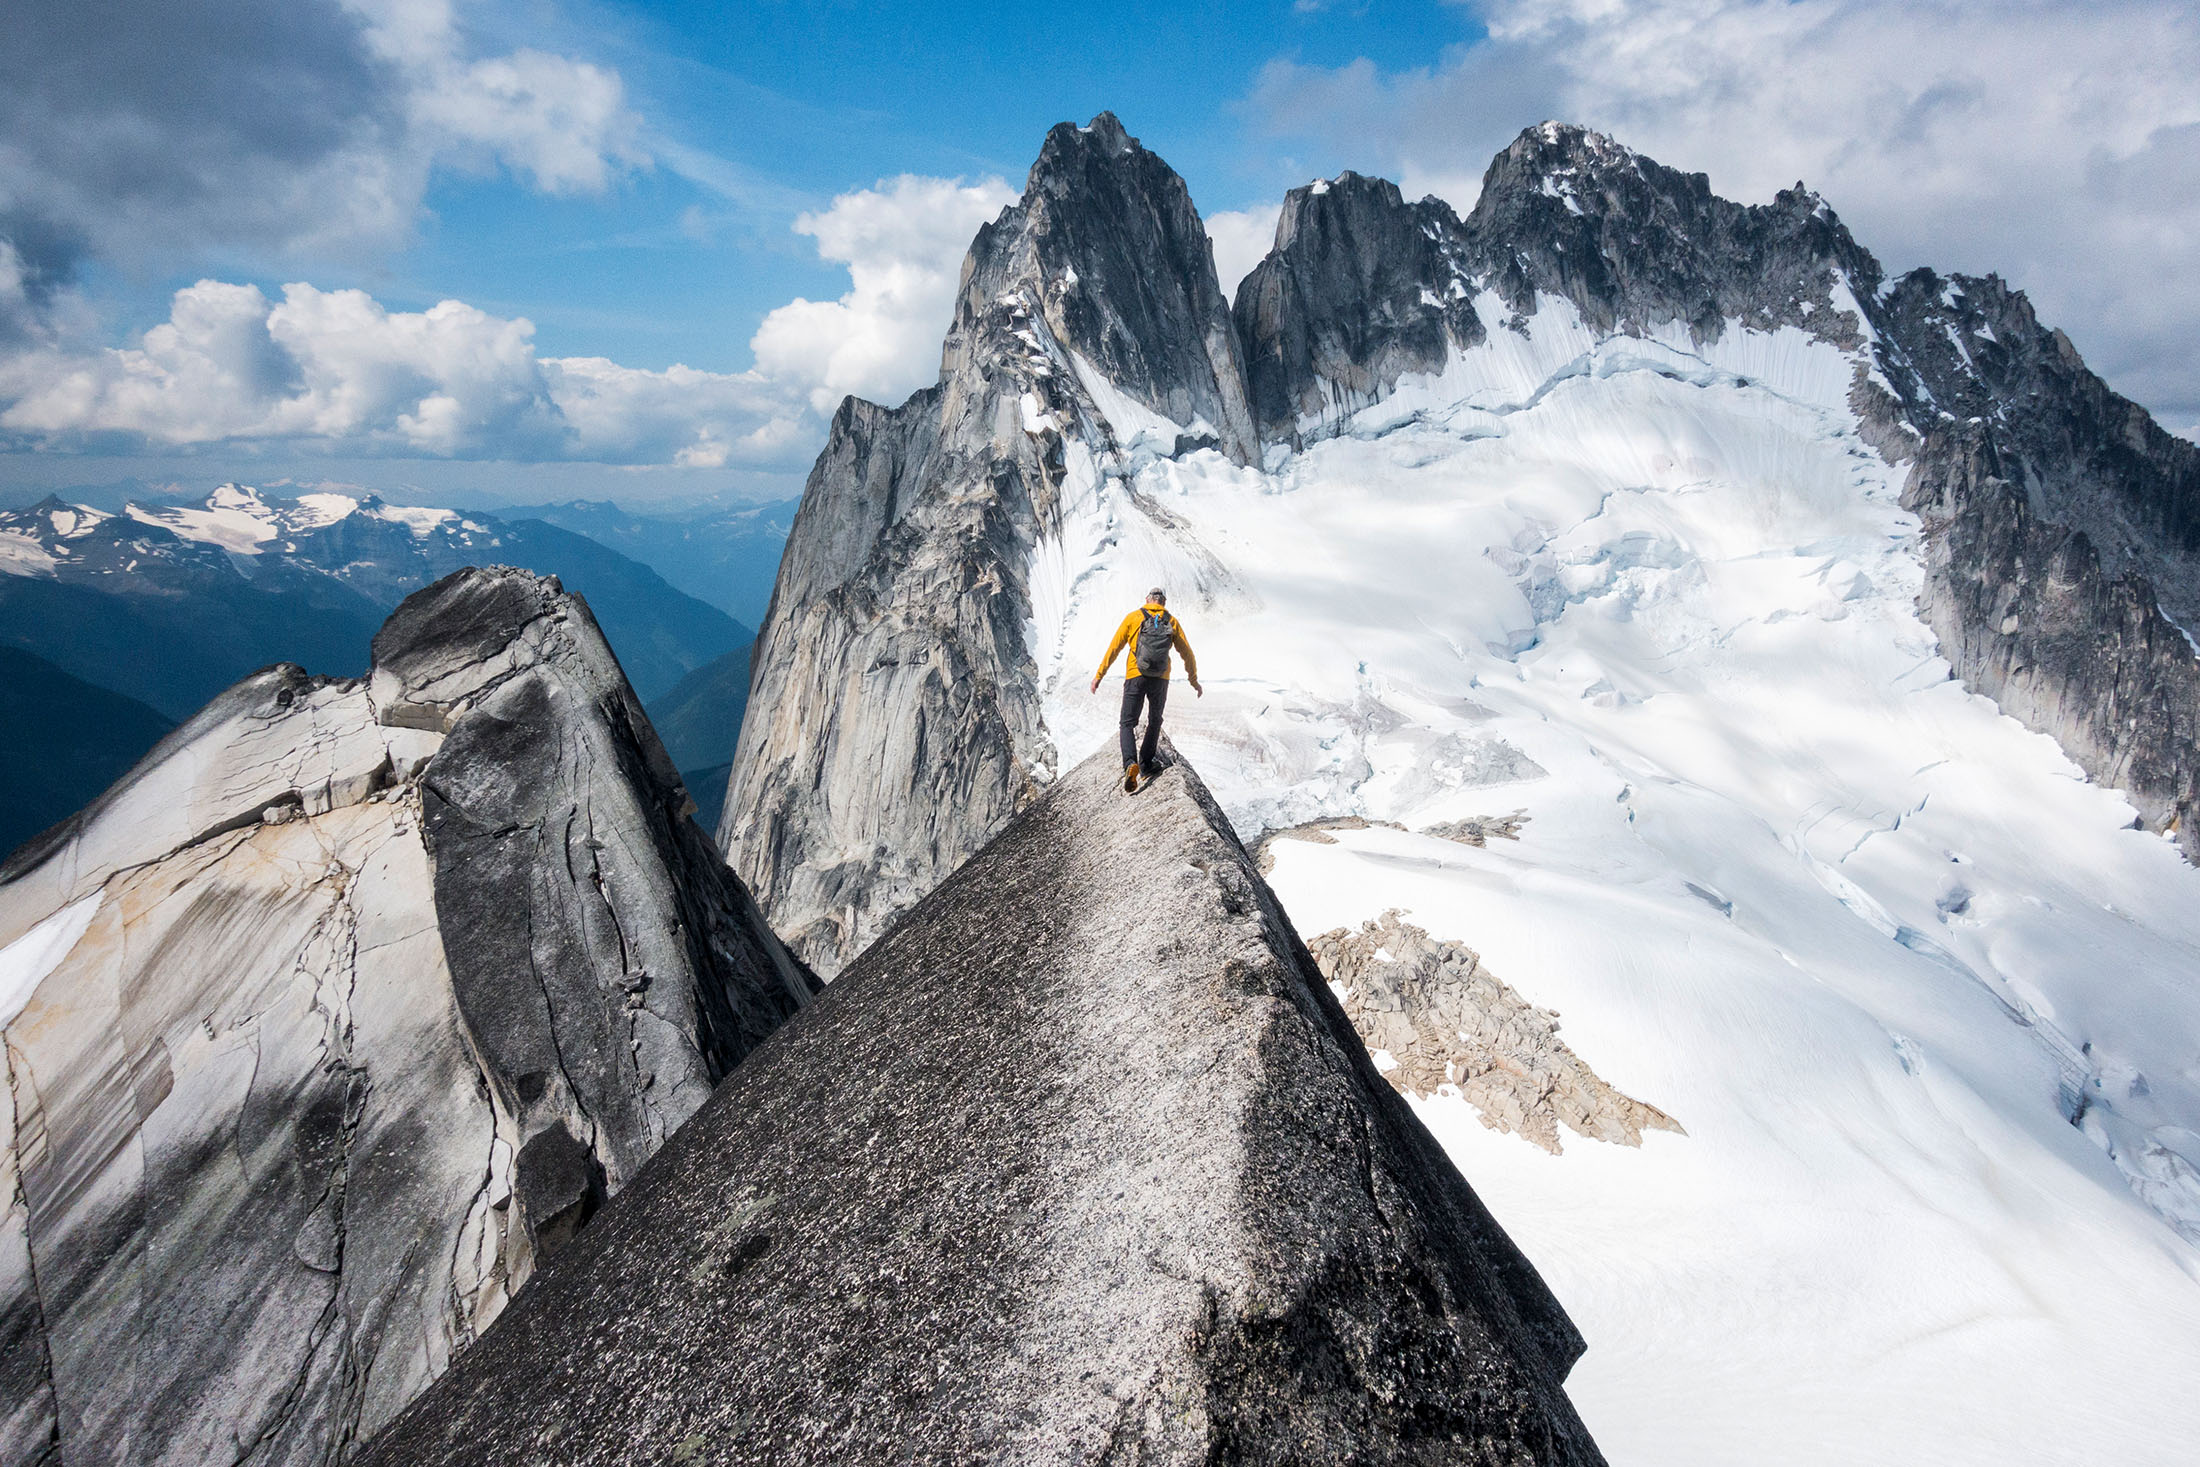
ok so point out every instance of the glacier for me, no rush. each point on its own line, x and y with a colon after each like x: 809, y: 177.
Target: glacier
x: 1919, y: 991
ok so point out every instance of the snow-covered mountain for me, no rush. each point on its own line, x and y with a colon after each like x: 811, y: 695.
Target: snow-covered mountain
x: 333, y: 1019
x: 171, y: 602
x: 1774, y: 670
x: 164, y: 617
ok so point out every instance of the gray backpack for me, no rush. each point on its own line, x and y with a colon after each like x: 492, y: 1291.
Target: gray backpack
x: 1155, y: 636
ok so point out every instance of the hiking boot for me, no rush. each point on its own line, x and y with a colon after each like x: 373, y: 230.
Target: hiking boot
x: 1130, y: 779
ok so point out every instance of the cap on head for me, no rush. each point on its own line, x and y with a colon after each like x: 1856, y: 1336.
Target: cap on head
x: 1158, y: 596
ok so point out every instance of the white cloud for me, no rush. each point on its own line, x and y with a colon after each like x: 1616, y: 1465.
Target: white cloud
x: 903, y: 243
x: 560, y: 122
x: 680, y: 416
x: 1241, y: 239
x: 2056, y: 144
x: 337, y: 371
x: 146, y: 132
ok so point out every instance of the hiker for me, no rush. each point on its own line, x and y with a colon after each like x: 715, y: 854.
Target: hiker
x: 1147, y: 634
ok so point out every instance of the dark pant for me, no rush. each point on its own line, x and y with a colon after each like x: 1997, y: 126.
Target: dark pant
x: 1152, y: 693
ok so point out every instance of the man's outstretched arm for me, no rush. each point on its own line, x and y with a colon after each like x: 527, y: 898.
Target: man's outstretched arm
x: 1191, y: 663
x: 1122, y: 640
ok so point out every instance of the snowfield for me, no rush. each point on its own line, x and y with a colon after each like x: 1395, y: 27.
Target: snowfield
x: 1927, y: 1005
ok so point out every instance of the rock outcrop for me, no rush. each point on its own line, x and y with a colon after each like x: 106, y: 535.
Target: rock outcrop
x: 1044, y: 1176
x: 1360, y: 289
x: 1437, y: 1020
x: 337, y: 1015
x: 894, y: 719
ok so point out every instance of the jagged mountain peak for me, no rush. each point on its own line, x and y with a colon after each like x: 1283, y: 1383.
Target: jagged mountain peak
x: 1107, y: 250
x: 1555, y: 143
x: 1104, y: 135
x: 1360, y: 288
x: 1346, y: 192
x: 1634, y: 244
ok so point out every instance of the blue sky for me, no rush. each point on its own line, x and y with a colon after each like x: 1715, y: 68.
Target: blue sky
x: 809, y: 101
x: 514, y: 248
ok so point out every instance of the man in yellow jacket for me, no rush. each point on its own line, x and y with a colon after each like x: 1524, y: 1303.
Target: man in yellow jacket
x: 1149, y: 634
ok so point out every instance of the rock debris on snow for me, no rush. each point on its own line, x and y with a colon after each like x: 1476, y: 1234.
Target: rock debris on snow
x: 1451, y: 1025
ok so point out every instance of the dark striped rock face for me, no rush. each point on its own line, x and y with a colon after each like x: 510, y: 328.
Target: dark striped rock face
x: 333, y: 1019
x: 1044, y: 1176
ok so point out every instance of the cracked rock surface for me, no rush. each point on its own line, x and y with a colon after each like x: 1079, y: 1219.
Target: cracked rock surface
x: 1044, y: 1176
x: 1443, y: 1021
x: 332, y: 1019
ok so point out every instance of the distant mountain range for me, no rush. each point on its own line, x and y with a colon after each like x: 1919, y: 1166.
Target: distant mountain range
x: 725, y: 556
x: 699, y: 721
x: 167, y: 604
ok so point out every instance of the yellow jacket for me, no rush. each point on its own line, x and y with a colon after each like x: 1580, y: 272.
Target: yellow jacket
x: 1126, y: 641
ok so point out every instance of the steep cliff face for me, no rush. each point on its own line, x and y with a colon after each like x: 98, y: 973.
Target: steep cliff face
x: 333, y: 1018
x: 1971, y: 348
x: 1041, y: 1178
x: 1361, y: 289
x: 2065, y: 544
x: 894, y: 718
x: 2028, y: 613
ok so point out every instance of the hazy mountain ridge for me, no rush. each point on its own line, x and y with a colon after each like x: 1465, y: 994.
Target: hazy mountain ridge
x: 350, y: 560
x: 726, y: 555
x: 169, y: 603
x: 62, y: 741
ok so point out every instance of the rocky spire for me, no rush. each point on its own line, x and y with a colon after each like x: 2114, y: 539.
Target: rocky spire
x: 1360, y: 289
x: 335, y: 1017
x: 893, y: 724
x: 1107, y: 248
x: 1042, y: 1177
